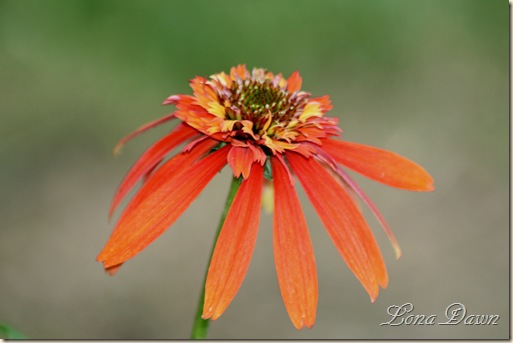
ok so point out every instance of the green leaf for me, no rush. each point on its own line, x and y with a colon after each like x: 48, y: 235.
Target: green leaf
x: 217, y: 147
x: 8, y: 332
x: 268, y: 172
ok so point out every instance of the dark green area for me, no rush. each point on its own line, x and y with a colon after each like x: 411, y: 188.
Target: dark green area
x: 8, y: 332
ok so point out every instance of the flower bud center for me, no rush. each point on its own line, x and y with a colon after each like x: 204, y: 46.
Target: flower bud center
x: 255, y: 100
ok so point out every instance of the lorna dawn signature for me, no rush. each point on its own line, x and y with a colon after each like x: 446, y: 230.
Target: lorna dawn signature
x: 455, y: 313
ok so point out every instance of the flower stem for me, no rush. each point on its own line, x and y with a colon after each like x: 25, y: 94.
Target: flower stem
x: 200, y: 328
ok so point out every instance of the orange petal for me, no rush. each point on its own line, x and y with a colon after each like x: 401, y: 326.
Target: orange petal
x: 355, y: 190
x: 234, y: 246
x: 239, y: 71
x: 169, y: 170
x: 293, y: 252
x: 294, y: 82
x: 140, y: 130
x: 144, y: 223
x: 204, y: 94
x: 324, y: 101
x: 380, y: 165
x: 191, y: 153
x: 312, y: 109
x: 258, y: 154
x: 151, y: 158
x: 240, y: 160
x: 113, y: 270
x: 344, y: 223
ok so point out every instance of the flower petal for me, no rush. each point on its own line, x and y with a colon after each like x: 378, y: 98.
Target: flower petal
x: 293, y: 252
x: 169, y: 170
x: 151, y: 158
x: 380, y: 165
x: 144, y: 223
x: 239, y: 71
x: 353, y: 187
x: 240, y: 160
x: 234, y: 246
x: 140, y: 130
x: 172, y: 100
x: 356, y: 192
x: 324, y: 101
x: 294, y: 82
x: 156, y: 178
x: 344, y: 223
x: 312, y: 109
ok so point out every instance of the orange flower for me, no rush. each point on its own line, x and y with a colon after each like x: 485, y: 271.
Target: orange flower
x: 253, y: 121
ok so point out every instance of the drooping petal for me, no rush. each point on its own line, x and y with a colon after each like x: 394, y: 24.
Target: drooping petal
x: 293, y: 252
x: 140, y: 130
x: 353, y: 186
x: 289, y: 174
x: 355, y: 192
x: 169, y: 170
x: 380, y: 165
x: 344, y: 223
x: 113, y: 270
x: 149, y: 173
x: 294, y: 82
x: 258, y: 154
x: 150, y: 158
x: 240, y: 160
x: 189, y: 155
x: 172, y: 100
x: 144, y: 223
x: 234, y: 246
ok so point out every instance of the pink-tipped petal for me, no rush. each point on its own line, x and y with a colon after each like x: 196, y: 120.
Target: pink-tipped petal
x: 172, y: 100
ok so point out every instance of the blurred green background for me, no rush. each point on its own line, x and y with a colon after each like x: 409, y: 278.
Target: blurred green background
x: 426, y: 79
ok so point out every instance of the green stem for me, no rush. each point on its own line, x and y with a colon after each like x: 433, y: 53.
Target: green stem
x: 200, y: 328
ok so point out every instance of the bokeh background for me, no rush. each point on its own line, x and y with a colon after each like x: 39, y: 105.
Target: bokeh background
x: 426, y: 79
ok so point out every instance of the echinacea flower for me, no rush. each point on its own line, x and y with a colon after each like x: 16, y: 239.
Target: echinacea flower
x: 263, y: 126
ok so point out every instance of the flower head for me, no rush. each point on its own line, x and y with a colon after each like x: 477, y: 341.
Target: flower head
x: 252, y: 120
